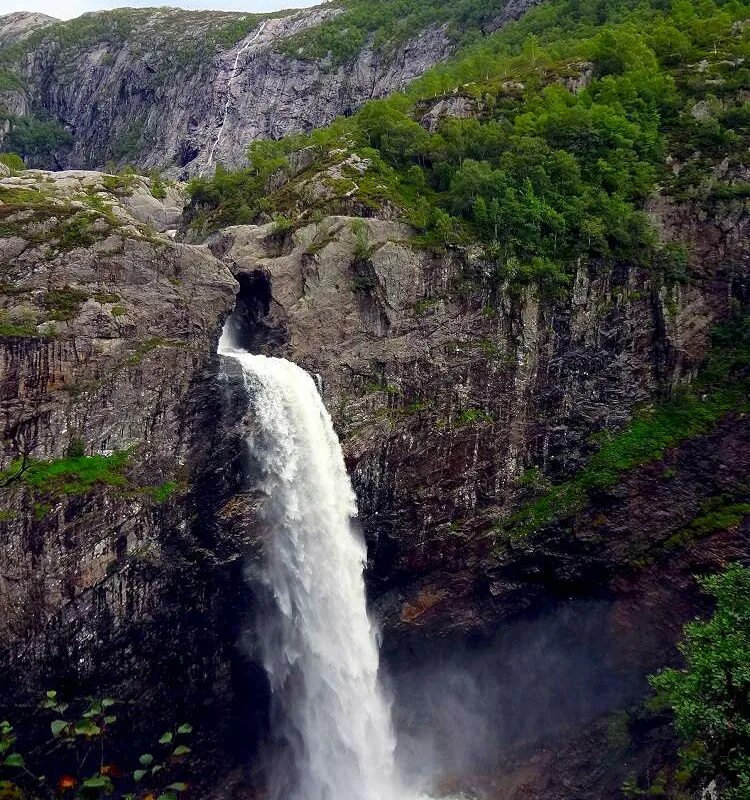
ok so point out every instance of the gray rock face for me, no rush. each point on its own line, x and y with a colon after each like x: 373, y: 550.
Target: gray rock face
x: 444, y: 395
x: 17, y: 26
x: 107, y: 349
x: 133, y: 97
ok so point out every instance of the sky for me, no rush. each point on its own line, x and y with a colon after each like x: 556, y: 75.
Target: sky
x: 67, y: 9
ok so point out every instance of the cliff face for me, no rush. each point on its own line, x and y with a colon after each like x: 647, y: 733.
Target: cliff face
x: 449, y: 401
x: 457, y: 407
x: 162, y: 88
x: 108, y: 408
x: 127, y: 505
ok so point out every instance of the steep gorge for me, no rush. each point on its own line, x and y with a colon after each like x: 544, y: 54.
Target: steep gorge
x: 130, y: 504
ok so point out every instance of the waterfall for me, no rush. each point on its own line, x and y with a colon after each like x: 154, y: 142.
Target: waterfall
x: 228, y: 103
x: 319, y: 647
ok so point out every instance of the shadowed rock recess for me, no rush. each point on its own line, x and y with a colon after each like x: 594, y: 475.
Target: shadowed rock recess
x: 540, y: 476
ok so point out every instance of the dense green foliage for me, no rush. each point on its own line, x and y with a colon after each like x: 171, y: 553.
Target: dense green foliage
x: 388, y: 22
x: 13, y: 161
x: 543, y: 171
x: 722, y: 387
x: 709, y: 696
x: 76, y: 760
x: 36, y: 138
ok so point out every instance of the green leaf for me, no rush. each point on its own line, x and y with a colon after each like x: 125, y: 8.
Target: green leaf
x: 146, y: 759
x: 177, y: 787
x: 157, y: 768
x: 97, y: 782
x: 139, y: 774
x: 185, y: 728
x: 110, y: 720
x: 58, y: 726
x: 166, y: 738
x: 87, y: 728
x: 167, y: 796
x: 14, y: 760
x: 107, y: 702
x: 181, y: 750
x: 52, y: 694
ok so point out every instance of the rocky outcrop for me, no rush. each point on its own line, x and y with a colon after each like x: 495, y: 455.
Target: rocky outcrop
x: 17, y: 26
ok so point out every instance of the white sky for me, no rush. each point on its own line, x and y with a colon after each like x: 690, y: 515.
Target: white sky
x: 67, y: 9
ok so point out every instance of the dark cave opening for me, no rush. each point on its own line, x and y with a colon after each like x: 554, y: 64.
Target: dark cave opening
x: 252, y: 323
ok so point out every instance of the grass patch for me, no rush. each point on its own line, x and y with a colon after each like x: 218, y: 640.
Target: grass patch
x: 26, y: 326
x: 69, y: 476
x: 64, y: 304
x: 163, y: 492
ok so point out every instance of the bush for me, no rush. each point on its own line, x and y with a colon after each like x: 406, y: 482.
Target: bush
x: 83, y: 732
x: 13, y: 161
x: 709, y: 696
x: 36, y: 138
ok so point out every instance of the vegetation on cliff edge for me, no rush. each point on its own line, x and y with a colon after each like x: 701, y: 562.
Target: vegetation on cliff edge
x: 722, y: 387
x: 563, y: 125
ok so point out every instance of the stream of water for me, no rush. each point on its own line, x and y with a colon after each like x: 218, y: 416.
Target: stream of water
x: 320, y: 651
x: 228, y: 102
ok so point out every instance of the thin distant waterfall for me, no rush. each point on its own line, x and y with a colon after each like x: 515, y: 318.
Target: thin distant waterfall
x: 319, y: 647
x: 228, y: 103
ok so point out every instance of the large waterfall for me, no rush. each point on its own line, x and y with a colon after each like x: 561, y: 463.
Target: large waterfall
x: 319, y: 647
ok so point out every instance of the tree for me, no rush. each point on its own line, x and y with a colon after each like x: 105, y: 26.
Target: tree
x: 36, y: 138
x: 710, y: 696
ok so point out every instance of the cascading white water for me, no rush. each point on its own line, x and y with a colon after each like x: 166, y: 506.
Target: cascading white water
x: 319, y: 647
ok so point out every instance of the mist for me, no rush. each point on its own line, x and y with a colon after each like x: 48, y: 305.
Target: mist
x: 459, y: 706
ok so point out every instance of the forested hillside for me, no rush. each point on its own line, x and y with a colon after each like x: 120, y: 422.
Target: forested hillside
x: 542, y: 142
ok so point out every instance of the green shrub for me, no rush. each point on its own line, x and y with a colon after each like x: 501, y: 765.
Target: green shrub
x: 158, y: 187
x: 75, y: 729
x: 362, y: 245
x: 32, y: 137
x: 13, y: 161
x: 546, y: 178
x: 63, y: 304
x: 709, y: 695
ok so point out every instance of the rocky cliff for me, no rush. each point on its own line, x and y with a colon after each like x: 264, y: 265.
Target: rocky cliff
x: 180, y: 91
x: 456, y: 409
x: 109, y: 396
